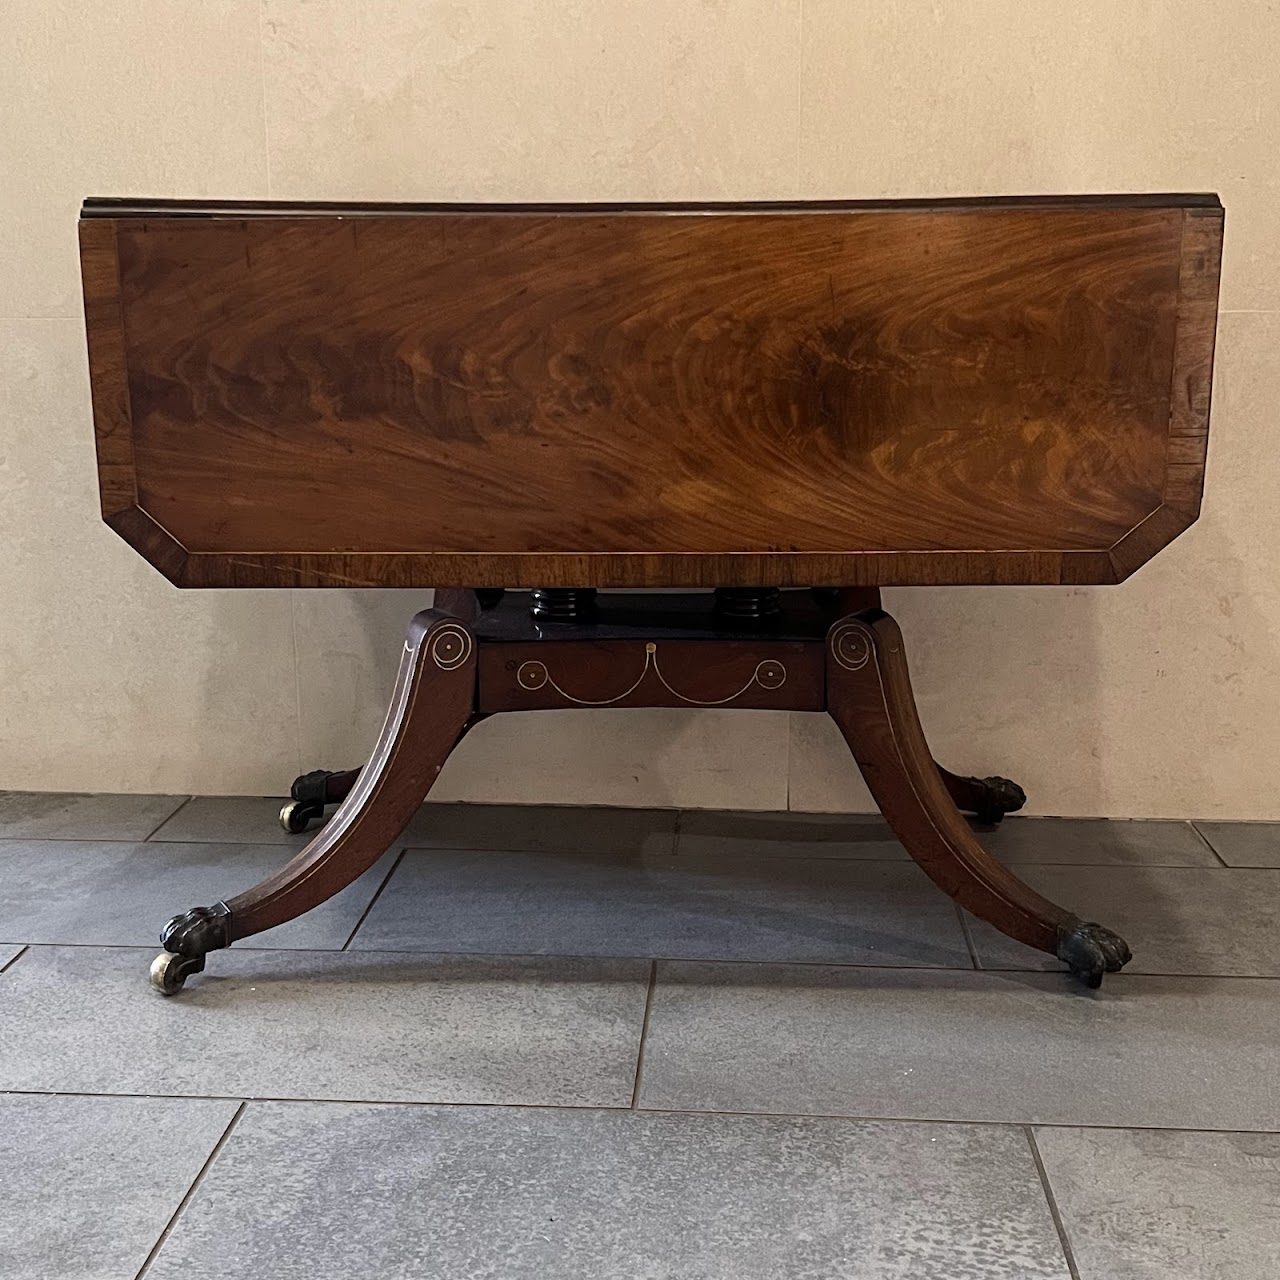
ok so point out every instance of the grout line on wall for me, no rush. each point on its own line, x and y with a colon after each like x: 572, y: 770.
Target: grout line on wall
x: 1059, y: 1225
x: 191, y: 1190
x: 644, y: 1034
x: 262, y: 79
x: 297, y: 679
x: 786, y: 768
x: 799, y: 94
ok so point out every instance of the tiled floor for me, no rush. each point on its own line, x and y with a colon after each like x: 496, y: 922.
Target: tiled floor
x: 606, y: 1043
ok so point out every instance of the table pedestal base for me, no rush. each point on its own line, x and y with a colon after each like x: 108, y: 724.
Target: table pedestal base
x: 833, y: 652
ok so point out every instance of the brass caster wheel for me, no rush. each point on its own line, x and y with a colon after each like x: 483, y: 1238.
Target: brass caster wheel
x: 169, y: 971
x: 296, y: 816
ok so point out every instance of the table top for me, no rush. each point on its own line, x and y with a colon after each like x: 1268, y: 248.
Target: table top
x: 1010, y: 390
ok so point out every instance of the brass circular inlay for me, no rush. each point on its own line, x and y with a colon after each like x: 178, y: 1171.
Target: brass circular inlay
x: 449, y: 647
x: 771, y: 674
x: 851, y: 646
x: 531, y: 675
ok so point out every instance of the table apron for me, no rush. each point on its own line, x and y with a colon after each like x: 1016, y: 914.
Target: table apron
x: 764, y: 674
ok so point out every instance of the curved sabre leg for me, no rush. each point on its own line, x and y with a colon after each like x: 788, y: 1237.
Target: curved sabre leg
x: 313, y: 792
x: 869, y: 697
x: 432, y: 707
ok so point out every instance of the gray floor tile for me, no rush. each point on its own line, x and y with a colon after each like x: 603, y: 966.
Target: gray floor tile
x: 232, y: 820
x: 543, y: 829
x: 1018, y: 840
x: 54, y: 815
x: 467, y: 1192
x: 122, y: 894
x: 528, y: 828
x: 88, y: 1184
x: 1188, y: 920
x: 949, y: 1045
x: 313, y: 1024
x: 708, y: 833
x: 9, y: 953
x: 1156, y: 1205
x: 1244, y: 844
x: 1098, y: 842
x: 742, y: 909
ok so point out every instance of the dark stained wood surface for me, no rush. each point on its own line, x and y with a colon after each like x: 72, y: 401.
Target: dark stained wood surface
x: 984, y: 392
x: 667, y: 615
x: 747, y: 674
x: 870, y: 699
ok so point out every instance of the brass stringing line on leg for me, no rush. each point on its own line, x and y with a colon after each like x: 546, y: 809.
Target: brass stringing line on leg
x: 650, y: 660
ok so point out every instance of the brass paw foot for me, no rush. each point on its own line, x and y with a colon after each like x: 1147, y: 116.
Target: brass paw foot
x: 198, y: 931
x: 1089, y: 951
x: 998, y: 797
x: 186, y: 940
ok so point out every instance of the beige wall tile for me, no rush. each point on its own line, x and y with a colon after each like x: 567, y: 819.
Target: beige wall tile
x: 110, y: 678
x: 130, y: 97
x: 511, y: 99
x: 1007, y: 96
x: 348, y: 646
x: 821, y: 774
x: 651, y: 759
x: 1156, y: 698
x: 1160, y: 697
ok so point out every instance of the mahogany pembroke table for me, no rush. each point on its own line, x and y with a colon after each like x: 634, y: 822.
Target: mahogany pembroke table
x: 795, y: 405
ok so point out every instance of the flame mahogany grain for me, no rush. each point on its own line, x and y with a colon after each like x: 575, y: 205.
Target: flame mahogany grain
x: 1008, y: 391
